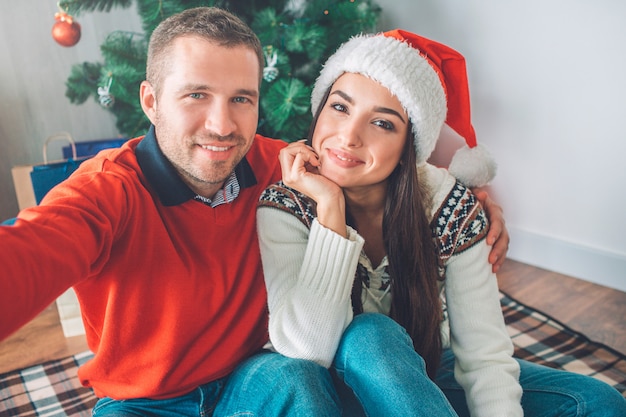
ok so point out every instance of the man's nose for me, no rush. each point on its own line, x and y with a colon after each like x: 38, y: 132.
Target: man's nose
x: 219, y: 119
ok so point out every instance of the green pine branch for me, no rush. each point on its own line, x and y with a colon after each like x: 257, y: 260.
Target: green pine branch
x: 82, y: 82
x: 128, y: 48
x: 301, y: 34
x: 76, y: 7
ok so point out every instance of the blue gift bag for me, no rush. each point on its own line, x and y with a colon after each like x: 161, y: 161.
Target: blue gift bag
x: 46, y: 176
x: 92, y: 147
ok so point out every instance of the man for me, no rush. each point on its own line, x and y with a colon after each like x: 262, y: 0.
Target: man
x: 158, y: 239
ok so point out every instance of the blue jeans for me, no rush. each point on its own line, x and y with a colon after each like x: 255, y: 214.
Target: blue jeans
x: 379, y: 374
x: 547, y: 392
x: 267, y: 384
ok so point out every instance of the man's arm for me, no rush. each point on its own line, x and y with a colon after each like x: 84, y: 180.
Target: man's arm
x: 498, y: 235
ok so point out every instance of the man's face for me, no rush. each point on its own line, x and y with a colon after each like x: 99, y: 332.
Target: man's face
x: 206, y: 114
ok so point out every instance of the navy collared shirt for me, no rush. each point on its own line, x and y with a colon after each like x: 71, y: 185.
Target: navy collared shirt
x: 171, y: 189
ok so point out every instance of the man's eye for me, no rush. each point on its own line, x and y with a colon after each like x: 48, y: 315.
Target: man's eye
x: 241, y: 100
x: 195, y: 95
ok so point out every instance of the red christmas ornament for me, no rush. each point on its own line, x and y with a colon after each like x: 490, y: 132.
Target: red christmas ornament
x: 65, y: 31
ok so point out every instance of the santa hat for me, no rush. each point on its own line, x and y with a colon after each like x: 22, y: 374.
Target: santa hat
x: 430, y: 81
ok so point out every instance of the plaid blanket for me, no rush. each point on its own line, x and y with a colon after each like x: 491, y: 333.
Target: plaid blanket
x: 47, y: 390
x: 542, y: 339
x: 52, y: 389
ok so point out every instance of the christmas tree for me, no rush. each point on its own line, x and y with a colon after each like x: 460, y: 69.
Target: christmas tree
x: 297, y: 37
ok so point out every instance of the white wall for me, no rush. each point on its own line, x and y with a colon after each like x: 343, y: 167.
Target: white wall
x: 548, y: 87
x: 548, y: 97
x: 33, y: 71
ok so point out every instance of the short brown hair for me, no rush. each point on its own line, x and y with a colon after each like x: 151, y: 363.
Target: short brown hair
x: 210, y: 23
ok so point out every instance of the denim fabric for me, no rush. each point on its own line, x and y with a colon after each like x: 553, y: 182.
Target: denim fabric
x: 392, y: 383
x: 366, y: 382
x: 199, y: 402
x: 548, y: 392
x: 397, y: 380
x: 267, y: 384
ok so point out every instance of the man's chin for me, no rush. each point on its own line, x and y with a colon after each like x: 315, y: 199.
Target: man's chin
x: 217, y: 174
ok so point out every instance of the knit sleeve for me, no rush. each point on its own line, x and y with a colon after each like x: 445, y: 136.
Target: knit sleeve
x: 308, y: 275
x: 484, y: 366
x: 459, y: 223
x: 58, y: 243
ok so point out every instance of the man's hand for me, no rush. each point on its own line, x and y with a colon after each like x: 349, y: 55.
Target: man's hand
x: 498, y: 236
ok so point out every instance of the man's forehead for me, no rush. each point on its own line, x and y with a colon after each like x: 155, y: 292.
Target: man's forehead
x: 196, y: 47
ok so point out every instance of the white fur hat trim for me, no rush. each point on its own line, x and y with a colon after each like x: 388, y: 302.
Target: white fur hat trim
x: 403, y: 71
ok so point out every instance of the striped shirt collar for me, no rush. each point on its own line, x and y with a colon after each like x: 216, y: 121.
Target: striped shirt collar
x: 171, y: 189
x: 227, y: 194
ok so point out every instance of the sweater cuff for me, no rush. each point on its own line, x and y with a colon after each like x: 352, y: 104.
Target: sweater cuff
x: 330, y: 261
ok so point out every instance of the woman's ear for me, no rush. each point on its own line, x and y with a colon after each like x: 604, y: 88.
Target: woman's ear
x: 147, y: 97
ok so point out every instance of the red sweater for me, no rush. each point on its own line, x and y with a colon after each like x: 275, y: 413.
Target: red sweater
x: 172, y: 296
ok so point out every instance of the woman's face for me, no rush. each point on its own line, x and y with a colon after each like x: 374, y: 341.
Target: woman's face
x: 360, y: 132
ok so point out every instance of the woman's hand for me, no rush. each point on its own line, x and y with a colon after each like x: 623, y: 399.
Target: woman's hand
x: 299, y: 165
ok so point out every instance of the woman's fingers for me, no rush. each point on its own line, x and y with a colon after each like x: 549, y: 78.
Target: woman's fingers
x: 296, y: 160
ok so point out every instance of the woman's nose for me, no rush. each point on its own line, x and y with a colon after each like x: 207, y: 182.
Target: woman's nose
x: 350, y: 133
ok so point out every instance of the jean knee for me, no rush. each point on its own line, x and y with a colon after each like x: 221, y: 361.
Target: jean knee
x: 367, y: 334
x: 273, y: 384
x: 300, y: 369
x: 298, y: 372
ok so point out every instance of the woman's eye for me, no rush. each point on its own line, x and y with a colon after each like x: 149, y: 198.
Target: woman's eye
x: 384, y: 124
x: 339, y: 107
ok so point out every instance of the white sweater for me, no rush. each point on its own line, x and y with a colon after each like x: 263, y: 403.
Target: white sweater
x: 309, y: 271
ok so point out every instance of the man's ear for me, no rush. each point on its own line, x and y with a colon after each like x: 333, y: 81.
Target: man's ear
x: 147, y: 97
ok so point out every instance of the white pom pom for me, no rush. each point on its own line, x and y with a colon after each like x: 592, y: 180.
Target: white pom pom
x: 474, y: 167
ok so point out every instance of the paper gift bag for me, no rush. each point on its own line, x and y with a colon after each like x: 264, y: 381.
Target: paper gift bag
x: 44, y: 177
x: 32, y: 182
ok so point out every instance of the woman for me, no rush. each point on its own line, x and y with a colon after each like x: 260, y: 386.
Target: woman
x: 362, y: 224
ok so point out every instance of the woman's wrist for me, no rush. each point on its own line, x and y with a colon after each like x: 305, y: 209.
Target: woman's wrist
x: 331, y: 213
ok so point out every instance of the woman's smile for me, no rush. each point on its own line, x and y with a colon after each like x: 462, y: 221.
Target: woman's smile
x: 343, y: 159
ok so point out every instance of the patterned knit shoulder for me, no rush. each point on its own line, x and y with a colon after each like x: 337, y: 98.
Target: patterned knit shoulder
x: 287, y: 199
x: 459, y: 223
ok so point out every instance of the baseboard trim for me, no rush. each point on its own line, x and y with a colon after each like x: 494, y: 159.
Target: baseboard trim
x: 579, y: 261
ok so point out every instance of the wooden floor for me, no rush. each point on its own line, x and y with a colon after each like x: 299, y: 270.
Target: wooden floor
x: 598, y: 312
x: 40, y: 340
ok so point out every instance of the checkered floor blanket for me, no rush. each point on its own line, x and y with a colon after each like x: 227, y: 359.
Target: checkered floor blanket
x: 52, y: 389
x: 542, y: 339
x: 46, y: 390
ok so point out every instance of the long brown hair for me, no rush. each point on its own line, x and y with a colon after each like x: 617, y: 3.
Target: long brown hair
x: 412, y: 256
